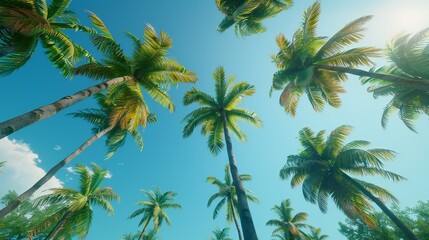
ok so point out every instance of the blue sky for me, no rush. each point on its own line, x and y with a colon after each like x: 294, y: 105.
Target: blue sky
x: 182, y: 165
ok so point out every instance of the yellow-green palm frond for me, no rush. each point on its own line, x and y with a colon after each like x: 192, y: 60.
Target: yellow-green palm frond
x: 196, y: 96
x: 310, y: 20
x: 215, y: 140
x: 237, y: 92
x: 349, y: 34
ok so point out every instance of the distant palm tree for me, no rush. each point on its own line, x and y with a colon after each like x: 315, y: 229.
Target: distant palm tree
x: 148, y: 68
x: 23, y: 23
x: 119, y: 115
x: 217, y: 116
x: 311, y: 65
x: 151, y: 235
x: 322, y: 167
x: 316, y: 234
x: 154, y: 210
x: 228, y: 195
x: 247, y: 15
x: 221, y: 234
x: 76, y: 215
x: 289, y: 226
x: 409, y: 56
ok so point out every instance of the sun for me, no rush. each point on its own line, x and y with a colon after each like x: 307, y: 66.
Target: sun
x: 400, y: 17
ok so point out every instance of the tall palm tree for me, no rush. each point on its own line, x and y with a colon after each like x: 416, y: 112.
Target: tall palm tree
x: 317, y: 66
x: 247, y: 15
x: 77, y: 211
x: 24, y: 23
x: 148, y: 67
x: 409, y: 57
x: 316, y: 234
x: 217, y: 116
x: 221, y: 234
x: 323, y: 168
x: 129, y: 104
x: 154, y: 209
x: 289, y: 226
x: 228, y: 195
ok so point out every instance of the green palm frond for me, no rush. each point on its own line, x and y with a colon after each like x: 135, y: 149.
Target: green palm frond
x: 321, y: 166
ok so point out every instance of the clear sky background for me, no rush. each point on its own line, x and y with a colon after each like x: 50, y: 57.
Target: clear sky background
x: 182, y: 165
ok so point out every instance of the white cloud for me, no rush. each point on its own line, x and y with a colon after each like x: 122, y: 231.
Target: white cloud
x: 109, y: 175
x: 21, y: 171
x: 71, y: 170
x: 57, y: 148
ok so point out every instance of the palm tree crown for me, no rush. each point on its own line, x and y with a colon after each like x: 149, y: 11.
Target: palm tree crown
x: 154, y: 209
x: 409, y: 56
x: 247, y: 15
x: 24, y: 23
x: 288, y: 225
x: 123, y: 110
x: 227, y: 194
x: 213, y: 109
x: 300, y: 62
x: 221, y: 234
x: 148, y: 67
x: 322, y: 167
x: 76, y: 215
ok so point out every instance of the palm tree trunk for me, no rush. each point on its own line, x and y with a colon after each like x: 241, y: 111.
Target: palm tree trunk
x: 409, y: 82
x: 240, y: 237
x: 246, y: 220
x: 12, y: 125
x: 144, y: 228
x: 59, y: 226
x: 407, y: 232
x: 11, y: 206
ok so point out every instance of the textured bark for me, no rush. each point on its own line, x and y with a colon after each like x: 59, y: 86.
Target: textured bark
x: 6, y: 210
x: 407, y: 82
x: 144, y: 229
x: 240, y: 237
x: 12, y: 125
x: 59, y: 226
x: 407, y: 232
x: 246, y: 220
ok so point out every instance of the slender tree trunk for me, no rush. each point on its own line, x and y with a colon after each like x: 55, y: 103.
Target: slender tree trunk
x: 240, y: 237
x: 409, y: 82
x: 12, y: 125
x: 144, y: 229
x: 246, y: 220
x: 407, y: 232
x: 51, y: 173
x: 59, y: 226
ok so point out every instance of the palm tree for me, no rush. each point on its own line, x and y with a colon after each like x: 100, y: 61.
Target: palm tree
x: 316, y: 234
x: 221, y: 234
x: 218, y: 115
x: 77, y: 211
x: 151, y: 235
x: 23, y: 23
x: 409, y: 57
x: 148, y: 67
x: 129, y: 105
x: 288, y: 225
x: 322, y: 168
x: 317, y: 66
x: 247, y: 15
x: 154, y: 209
x: 228, y: 195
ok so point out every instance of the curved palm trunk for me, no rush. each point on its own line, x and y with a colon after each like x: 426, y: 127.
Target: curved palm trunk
x: 407, y: 232
x: 12, y: 125
x: 246, y: 220
x: 11, y: 206
x: 413, y: 83
x: 144, y: 229
x: 59, y: 226
x: 240, y: 237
